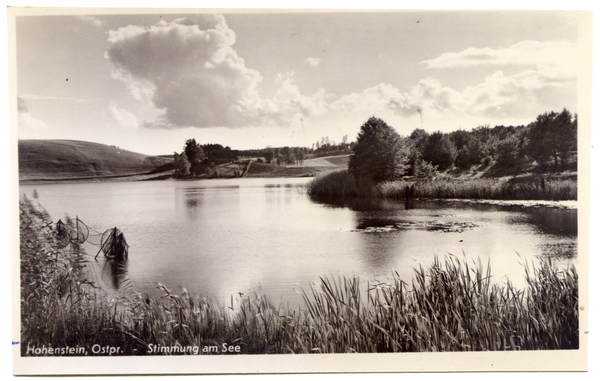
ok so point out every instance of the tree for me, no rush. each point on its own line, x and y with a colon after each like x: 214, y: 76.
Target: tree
x: 439, y: 150
x: 507, y: 151
x: 193, y: 151
x: 568, y: 135
x: 470, y: 154
x: 195, y: 155
x: 268, y: 154
x: 379, y: 153
x: 415, y: 143
x: 552, y: 136
x: 181, y: 164
x: 419, y: 136
x: 344, y: 142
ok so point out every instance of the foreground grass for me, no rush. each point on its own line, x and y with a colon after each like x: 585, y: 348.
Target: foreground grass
x: 341, y: 183
x: 449, y: 306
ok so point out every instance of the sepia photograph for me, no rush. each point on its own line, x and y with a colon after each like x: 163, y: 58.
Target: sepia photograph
x: 242, y: 191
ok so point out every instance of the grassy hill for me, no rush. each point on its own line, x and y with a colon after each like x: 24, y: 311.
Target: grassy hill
x: 328, y: 161
x: 72, y: 159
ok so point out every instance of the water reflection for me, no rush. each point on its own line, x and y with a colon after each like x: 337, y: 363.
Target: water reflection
x: 286, y: 185
x: 279, y: 194
x: 358, y: 205
x: 190, y: 197
x: 194, y: 197
x: 382, y: 213
x: 114, y: 273
x: 554, y: 221
x: 380, y: 251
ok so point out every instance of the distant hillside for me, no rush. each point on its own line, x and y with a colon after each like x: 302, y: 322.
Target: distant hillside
x: 72, y: 159
x: 328, y: 161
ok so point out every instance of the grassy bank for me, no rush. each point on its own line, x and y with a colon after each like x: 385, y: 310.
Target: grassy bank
x: 55, y: 160
x: 341, y: 183
x: 449, y: 306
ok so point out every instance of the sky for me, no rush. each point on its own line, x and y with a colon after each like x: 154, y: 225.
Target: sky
x: 148, y: 82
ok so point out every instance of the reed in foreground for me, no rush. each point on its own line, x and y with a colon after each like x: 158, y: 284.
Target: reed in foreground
x: 449, y: 306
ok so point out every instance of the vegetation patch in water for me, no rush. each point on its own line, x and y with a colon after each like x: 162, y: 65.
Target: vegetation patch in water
x: 445, y: 227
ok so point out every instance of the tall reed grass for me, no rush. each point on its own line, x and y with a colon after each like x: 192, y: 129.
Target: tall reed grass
x: 449, y: 306
x: 338, y: 184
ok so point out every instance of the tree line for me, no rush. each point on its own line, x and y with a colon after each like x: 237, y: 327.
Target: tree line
x: 197, y: 159
x: 381, y: 154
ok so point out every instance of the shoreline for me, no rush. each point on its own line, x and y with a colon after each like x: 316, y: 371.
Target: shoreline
x: 291, y: 172
x: 563, y: 204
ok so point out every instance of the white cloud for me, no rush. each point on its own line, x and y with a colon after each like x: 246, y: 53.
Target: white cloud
x: 26, y: 120
x: 90, y: 20
x: 549, y: 70
x: 381, y: 98
x: 123, y: 117
x: 498, y: 95
x: 141, y: 89
x: 536, y: 53
x: 53, y: 98
x: 291, y: 104
x: 312, y: 62
x: 191, y: 73
x: 189, y: 70
x: 548, y: 62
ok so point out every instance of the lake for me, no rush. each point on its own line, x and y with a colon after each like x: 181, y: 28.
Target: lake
x: 254, y: 235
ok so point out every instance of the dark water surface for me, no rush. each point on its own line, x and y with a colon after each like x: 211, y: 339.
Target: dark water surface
x: 220, y: 237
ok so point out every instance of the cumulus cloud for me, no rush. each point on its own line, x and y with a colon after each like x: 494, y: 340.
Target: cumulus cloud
x: 26, y: 120
x: 498, y: 95
x: 122, y: 116
x: 189, y: 70
x: 312, y: 62
x: 289, y: 102
x: 548, y: 68
x: 380, y: 98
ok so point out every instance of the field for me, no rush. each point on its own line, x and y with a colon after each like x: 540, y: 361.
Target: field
x: 328, y: 161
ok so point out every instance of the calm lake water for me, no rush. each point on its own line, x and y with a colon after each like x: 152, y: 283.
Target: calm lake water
x: 221, y: 237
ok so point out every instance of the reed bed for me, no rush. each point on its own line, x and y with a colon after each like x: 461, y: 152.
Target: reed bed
x: 450, y: 305
x: 339, y: 184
